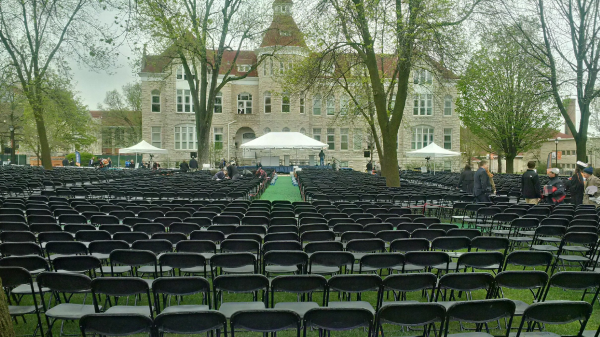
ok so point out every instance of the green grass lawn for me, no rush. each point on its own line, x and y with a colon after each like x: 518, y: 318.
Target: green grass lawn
x: 282, y: 190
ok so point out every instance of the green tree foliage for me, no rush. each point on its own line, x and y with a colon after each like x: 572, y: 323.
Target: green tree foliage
x: 124, y: 108
x: 503, y: 101
x: 369, y: 48
x: 67, y: 120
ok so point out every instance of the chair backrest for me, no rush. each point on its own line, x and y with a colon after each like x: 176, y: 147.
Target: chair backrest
x: 410, y: 282
x: 575, y: 280
x: 266, y: 320
x: 180, y: 286
x: 481, y: 311
x: 77, y: 263
x: 331, y: 259
x: 409, y: 245
x: 240, y: 284
x: 115, y: 324
x: 297, y: 284
x: 64, y: 282
x: 428, y: 260
x: 380, y: 261
x: 481, y: 260
x: 466, y: 282
x: 338, y: 319
x: 354, y: 283
x: 285, y: 258
x: 197, y: 322
x: 411, y: 314
x: 529, y: 258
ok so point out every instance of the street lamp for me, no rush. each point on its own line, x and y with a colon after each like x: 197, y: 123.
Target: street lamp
x: 556, y: 151
x: 228, y: 139
x: 12, y: 144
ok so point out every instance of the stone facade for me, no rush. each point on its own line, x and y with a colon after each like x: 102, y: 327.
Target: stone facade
x: 238, y: 128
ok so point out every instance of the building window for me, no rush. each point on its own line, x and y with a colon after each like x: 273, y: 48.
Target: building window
x: 181, y: 73
x: 267, y: 102
x: 344, y: 163
x: 358, y: 139
x: 422, y: 76
x: 423, y: 105
x: 244, y: 68
x: 317, y: 105
x: 286, y: 129
x: 218, y: 103
x: 303, y: 131
x: 185, y: 137
x: 331, y: 138
x: 218, y: 132
x: 285, y: 102
x: 448, y: 105
x: 421, y: 137
x: 267, y: 130
x: 302, y: 103
x: 281, y: 68
x: 344, y: 139
x: 344, y: 105
x: 184, y: 101
x: 155, y: 100
x: 330, y: 106
x: 157, y: 136
x: 317, y: 134
x: 244, y: 104
x: 448, y: 139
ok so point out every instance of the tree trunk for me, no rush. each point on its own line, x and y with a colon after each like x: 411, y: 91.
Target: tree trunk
x: 6, y: 326
x: 581, y: 143
x: 43, y: 138
x: 510, y: 162
x: 389, y: 162
x: 203, y: 134
x: 499, y: 163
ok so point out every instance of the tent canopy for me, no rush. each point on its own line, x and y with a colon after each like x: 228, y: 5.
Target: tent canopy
x: 142, y: 147
x: 284, y: 140
x: 432, y: 150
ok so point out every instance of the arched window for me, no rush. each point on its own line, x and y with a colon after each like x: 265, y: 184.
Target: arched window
x: 317, y: 105
x: 267, y: 130
x: 244, y: 103
x: 155, y: 100
x: 286, y: 129
x: 218, y: 103
x: 185, y: 137
x: 267, y: 96
x: 303, y: 131
x: 448, y: 105
x: 285, y: 102
x: 422, y: 136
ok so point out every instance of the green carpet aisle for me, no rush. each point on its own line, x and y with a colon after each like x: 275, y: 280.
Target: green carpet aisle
x: 282, y: 190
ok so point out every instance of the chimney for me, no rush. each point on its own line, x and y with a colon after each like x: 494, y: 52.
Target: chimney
x: 571, y: 104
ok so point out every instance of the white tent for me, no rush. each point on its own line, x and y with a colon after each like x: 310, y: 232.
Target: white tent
x: 141, y: 147
x: 284, y: 140
x: 432, y: 151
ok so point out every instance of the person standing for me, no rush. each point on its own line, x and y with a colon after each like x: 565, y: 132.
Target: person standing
x: 530, y: 185
x: 481, y: 183
x: 592, y: 186
x: 575, y: 184
x: 65, y: 162
x: 72, y: 163
x: 554, y: 190
x: 109, y: 163
x: 184, y: 167
x: 193, y: 164
x: 127, y: 164
x: 370, y: 167
x: 465, y: 182
x: 322, y: 157
x: 91, y: 163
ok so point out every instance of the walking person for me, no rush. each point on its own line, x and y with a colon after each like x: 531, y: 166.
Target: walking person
x: 465, y: 182
x: 370, y: 167
x: 554, y: 190
x: 592, y: 186
x: 481, y: 183
x: 322, y: 157
x: 65, y: 162
x: 575, y: 184
x: 193, y: 164
x: 530, y: 185
x: 184, y: 167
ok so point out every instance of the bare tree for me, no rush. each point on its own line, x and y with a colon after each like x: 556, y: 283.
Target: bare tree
x: 39, y: 36
x: 566, y: 47
x: 199, y: 33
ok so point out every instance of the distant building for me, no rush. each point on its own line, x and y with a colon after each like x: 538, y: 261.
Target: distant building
x: 256, y: 105
x: 115, y: 130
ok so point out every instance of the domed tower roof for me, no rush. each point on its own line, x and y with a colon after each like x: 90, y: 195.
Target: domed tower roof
x: 283, y: 30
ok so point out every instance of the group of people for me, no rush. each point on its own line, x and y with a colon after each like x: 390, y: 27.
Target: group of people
x: 583, y: 185
x: 66, y: 162
x: 228, y: 171
x: 192, y: 166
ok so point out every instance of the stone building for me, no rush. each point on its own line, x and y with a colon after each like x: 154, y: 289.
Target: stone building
x: 248, y: 108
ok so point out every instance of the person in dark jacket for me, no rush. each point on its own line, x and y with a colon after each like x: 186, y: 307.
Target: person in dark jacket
x: 369, y: 166
x: 184, y: 167
x: 465, y: 182
x: 65, y: 162
x: 576, y: 184
x: 481, y: 183
x: 554, y: 190
x: 530, y: 185
x: 193, y: 164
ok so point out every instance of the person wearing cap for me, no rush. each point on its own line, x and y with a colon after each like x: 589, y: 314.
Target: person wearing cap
x: 575, y: 184
x: 481, y: 183
x: 554, y: 190
x: 530, y: 184
x: 592, y: 186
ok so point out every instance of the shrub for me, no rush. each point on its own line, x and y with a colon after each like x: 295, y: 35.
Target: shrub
x: 85, y: 157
